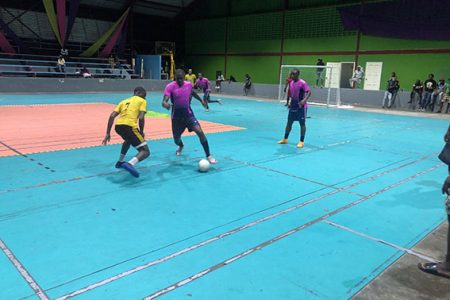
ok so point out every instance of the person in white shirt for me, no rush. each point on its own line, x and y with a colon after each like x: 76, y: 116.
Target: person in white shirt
x: 357, y: 77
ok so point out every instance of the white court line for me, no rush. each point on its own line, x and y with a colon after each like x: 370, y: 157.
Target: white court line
x: 233, y: 231
x: 409, y: 251
x: 224, y: 263
x: 23, y: 272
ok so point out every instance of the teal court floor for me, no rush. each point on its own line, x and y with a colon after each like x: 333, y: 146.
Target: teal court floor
x: 268, y: 222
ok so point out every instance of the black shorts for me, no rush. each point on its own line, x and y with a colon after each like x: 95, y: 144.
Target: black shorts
x: 298, y: 115
x: 131, y: 135
x: 179, y: 125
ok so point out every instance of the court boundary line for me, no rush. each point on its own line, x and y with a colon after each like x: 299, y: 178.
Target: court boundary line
x: 381, y: 241
x: 233, y: 231
x: 27, y: 157
x: 260, y: 246
x: 38, y: 291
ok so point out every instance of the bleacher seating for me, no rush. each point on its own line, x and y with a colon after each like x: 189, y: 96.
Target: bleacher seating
x: 45, y: 66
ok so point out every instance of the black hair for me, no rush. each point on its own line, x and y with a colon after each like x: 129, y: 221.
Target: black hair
x: 140, y: 91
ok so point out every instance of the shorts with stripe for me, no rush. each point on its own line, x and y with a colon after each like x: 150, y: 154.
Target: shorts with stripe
x: 131, y: 135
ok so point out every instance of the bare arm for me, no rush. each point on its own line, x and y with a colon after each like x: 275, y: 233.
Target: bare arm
x: 165, y: 102
x: 305, y: 99
x: 107, y: 138
x: 142, y: 122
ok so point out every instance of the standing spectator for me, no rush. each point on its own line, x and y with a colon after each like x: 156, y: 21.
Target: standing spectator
x: 438, y: 94
x: 286, y: 88
x: 445, y: 97
x: 219, y: 79
x: 64, y: 52
x: 190, y: 77
x: 416, y: 94
x: 357, y: 77
x: 429, y: 88
x: 61, y: 64
x: 319, y: 73
x: 391, y: 91
x: 442, y: 268
x: 247, y: 84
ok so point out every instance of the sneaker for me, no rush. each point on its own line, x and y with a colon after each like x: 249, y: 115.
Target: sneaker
x: 179, y: 150
x: 130, y: 169
x: 220, y: 102
x: 119, y: 164
x: 211, y: 160
x: 283, y: 141
x: 300, y: 144
x: 207, y: 110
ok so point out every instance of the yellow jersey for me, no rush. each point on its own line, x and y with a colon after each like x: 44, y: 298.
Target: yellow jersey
x: 190, y: 78
x: 129, y: 110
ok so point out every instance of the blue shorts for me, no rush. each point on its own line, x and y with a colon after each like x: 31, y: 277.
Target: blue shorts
x: 298, y: 115
x: 179, y: 125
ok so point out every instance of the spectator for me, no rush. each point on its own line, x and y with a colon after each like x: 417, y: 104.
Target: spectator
x: 429, y: 88
x: 416, y: 94
x: 319, y: 73
x: 232, y: 79
x: 190, y: 77
x: 438, y: 94
x: 286, y: 88
x: 61, y: 64
x: 219, y: 79
x: 111, y: 61
x: 247, y: 84
x: 357, y: 77
x: 64, y: 53
x: 442, y: 268
x: 85, y: 73
x: 445, y: 97
x: 391, y: 91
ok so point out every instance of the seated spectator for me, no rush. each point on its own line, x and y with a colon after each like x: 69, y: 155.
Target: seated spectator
x: 416, y: 94
x: 231, y: 79
x: 429, y: 88
x: 64, y: 53
x: 391, y: 91
x: 438, y: 94
x: 247, y: 84
x: 61, y: 64
x: 445, y: 97
x: 111, y: 61
x: 85, y: 73
x: 357, y: 77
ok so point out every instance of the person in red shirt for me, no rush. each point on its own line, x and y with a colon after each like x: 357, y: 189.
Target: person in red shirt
x: 286, y: 88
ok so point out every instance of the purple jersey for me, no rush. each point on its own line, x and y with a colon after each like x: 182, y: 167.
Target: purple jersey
x: 298, y: 89
x: 180, y: 97
x: 203, y: 84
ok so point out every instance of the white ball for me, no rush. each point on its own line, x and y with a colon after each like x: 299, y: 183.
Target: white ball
x: 203, y: 165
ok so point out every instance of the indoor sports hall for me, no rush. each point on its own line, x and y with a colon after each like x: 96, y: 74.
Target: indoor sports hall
x: 232, y: 149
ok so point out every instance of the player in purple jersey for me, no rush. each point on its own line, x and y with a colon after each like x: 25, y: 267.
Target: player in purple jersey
x: 298, y: 107
x: 203, y: 84
x: 180, y: 93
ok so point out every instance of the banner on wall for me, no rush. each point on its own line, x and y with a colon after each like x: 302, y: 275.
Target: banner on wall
x: 50, y: 10
x: 102, y: 40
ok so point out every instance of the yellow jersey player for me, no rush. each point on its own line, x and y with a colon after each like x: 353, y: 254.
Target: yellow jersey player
x: 131, y: 111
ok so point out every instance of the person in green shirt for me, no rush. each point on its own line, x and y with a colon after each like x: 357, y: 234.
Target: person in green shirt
x: 445, y: 98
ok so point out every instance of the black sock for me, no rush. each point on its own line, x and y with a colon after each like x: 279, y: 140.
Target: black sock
x: 302, y: 138
x: 206, y: 148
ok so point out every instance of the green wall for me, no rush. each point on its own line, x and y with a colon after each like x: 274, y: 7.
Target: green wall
x: 309, y: 33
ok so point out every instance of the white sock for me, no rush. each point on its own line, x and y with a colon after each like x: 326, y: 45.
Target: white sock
x: 121, y: 157
x: 133, y: 161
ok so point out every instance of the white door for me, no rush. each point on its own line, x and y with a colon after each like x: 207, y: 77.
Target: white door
x: 333, y: 76
x: 372, y: 76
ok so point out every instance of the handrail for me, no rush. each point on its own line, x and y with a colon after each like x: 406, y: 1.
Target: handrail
x: 56, y: 56
x: 54, y: 62
x: 60, y: 73
x: 54, y: 66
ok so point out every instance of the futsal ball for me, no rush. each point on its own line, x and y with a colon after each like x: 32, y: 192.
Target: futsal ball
x: 203, y: 165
